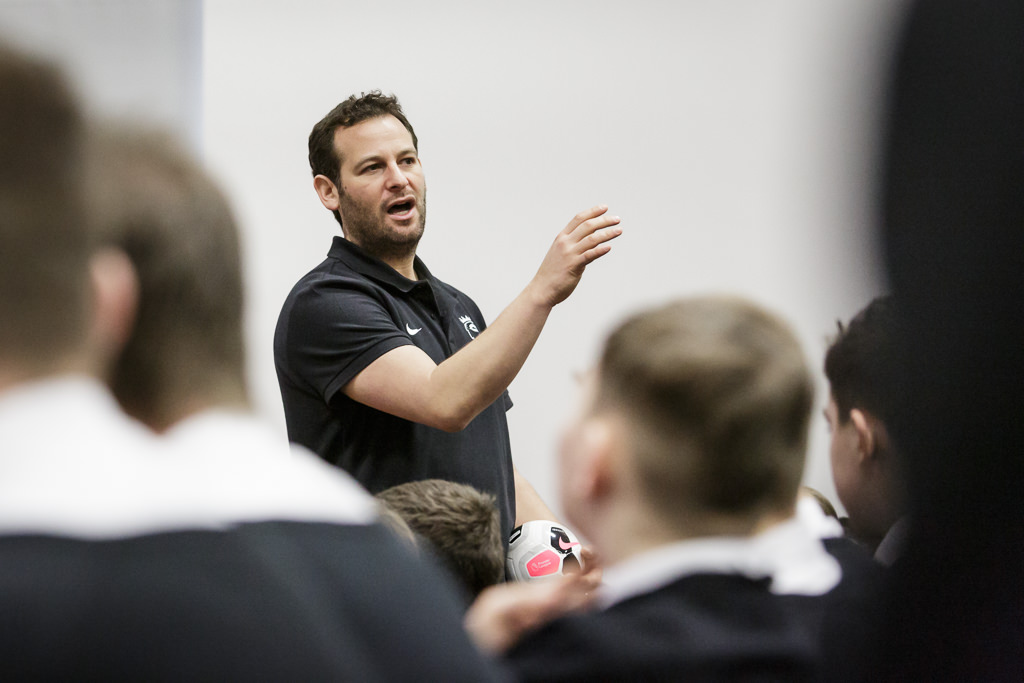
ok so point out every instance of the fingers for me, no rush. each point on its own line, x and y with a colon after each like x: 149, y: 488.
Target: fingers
x: 596, y: 244
x: 594, y: 231
x: 579, y: 591
x: 592, y: 568
x: 593, y: 224
x: 583, y: 216
x: 589, y: 231
x: 584, y: 240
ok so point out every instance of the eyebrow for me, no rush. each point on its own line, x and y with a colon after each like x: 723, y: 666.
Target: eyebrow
x: 374, y: 158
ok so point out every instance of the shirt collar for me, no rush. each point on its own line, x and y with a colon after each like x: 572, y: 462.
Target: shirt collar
x: 356, y: 258
x: 889, y: 550
x: 653, y: 569
x: 789, y: 554
x: 817, y: 522
x: 74, y: 465
x: 40, y: 396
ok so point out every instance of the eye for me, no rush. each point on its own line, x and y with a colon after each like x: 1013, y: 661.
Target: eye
x: 370, y: 168
x: 408, y: 161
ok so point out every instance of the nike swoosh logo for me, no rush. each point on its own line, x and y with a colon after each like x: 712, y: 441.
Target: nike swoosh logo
x: 413, y: 331
x: 565, y: 546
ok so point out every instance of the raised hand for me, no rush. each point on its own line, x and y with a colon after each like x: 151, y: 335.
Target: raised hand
x: 583, y: 240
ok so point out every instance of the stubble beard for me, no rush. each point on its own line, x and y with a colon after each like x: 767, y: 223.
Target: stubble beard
x: 364, y: 226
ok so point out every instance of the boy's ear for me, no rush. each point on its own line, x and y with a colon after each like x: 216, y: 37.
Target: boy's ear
x: 115, y: 301
x: 867, y: 441
x: 595, y: 479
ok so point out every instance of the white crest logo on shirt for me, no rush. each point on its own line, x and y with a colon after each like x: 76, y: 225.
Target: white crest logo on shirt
x: 470, y: 326
x: 413, y: 331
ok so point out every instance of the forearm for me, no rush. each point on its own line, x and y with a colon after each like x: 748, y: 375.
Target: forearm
x: 474, y: 377
x: 405, y: 382
x: 529, y: 504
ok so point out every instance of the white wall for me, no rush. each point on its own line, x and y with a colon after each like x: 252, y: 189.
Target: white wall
x: 138, y: 59
x: 733, y: 137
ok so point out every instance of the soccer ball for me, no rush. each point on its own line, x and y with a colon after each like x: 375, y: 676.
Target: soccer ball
x: 540, y: 550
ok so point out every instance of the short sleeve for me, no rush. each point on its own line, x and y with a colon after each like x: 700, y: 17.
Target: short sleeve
x: 332, y: 329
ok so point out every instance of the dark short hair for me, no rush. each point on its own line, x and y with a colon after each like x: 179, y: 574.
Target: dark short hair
x: 461, y: 523
x: 323, y: 159
x: 149, y: 197
x: 44, y: 246
x: 717, y: 397
x: 860, y: 361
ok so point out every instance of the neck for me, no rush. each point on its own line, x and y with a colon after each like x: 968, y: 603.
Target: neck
x: 405, y: 266
x: 885, y: 518
x: 775, y: 516
x: 14, y: 372
x: 885, y: 503
x: 630, y: 532
x: 401, y: 257
x: 179, y: 403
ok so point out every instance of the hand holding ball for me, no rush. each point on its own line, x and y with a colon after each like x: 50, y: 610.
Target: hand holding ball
x: 541, y: 549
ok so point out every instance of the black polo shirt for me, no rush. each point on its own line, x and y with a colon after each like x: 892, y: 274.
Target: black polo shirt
x: 347, y: 312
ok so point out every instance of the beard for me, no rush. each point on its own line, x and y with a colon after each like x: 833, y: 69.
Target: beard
x: 368, y: 227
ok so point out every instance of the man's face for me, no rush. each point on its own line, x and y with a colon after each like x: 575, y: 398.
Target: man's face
x: 843, y: 453
x: 382, y: 193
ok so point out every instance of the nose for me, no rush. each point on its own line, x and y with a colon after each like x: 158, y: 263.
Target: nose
x: 395, y: 176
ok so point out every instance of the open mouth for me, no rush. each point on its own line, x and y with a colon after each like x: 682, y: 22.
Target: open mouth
x: 401, y: 208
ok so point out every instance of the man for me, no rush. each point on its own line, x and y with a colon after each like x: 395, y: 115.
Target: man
x: 385, y: 370
x: 866, y: 463
x: 684, y: 460
x: 122, y: 556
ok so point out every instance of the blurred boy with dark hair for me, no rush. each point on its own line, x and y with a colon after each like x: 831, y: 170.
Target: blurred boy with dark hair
x: 147, y: 197
x: 952, y: 210
x: 44, y: 297
x: 866, y: 462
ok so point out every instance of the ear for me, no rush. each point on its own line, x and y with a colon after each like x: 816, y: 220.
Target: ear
x: 867, y: 443
x: 116, y: 297
x: 327, y: 191
x: 595, y: 476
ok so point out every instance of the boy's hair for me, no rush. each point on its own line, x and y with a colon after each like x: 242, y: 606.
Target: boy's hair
x: 44, y: 247
x: 860, y: 362
x: 151, y: 199
x: 323, y: 158
x: 717, y: 396
x: 460, y: 522
x: 399, y: 527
